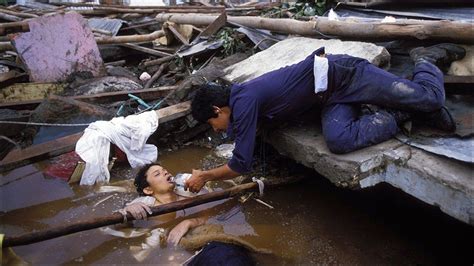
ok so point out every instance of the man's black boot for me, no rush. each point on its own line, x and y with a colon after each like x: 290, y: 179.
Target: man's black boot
x: 439, y: 119
x: 441, y: 55
x: 399, y: 115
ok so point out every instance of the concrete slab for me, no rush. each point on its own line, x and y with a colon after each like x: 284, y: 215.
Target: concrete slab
x: 58, y: 45
x: 434, y: 179
x: 293, y: 50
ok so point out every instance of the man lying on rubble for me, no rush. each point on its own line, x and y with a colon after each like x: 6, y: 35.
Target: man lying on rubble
x: 155, y: 186
x: 340, y: 84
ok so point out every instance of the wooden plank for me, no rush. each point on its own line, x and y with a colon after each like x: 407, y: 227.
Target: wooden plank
x: 459, y: 84
x: 20, y: 157
x: 214, y: 27
x: 145, y: 94
x: 178, y: 35
x: 145, y: 50
x: 458, y: 79
x: 173, y: 112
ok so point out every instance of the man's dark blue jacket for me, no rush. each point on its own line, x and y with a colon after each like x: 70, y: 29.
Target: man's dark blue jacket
x: 274, y: 97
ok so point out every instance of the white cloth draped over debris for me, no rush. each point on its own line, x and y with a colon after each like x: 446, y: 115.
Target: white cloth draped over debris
x: 129, y: 134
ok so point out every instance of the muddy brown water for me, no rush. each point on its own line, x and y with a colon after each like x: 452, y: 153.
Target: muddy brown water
x: 313, y: 222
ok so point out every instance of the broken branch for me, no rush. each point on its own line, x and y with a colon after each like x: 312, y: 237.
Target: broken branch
x: 130, y: 38
x: 155, y: 76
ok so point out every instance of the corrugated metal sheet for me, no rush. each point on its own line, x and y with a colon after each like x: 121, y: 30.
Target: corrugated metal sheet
x: 437, y: 13
x: 106, y: 24
x: 459, y: 145
x: 36, y: 5
x: 455, y: 148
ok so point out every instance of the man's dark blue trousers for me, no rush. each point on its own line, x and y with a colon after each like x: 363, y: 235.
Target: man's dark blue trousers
x: 284, y: 94
x: 354, y: 81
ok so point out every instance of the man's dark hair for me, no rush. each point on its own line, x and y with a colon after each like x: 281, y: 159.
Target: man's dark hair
x: 207, y: 96
x: 140, y: 178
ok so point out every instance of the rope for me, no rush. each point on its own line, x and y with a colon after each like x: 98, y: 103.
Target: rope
x: 124, y: 214
x: 2, y: 236
x: 261, y: 185
x: 263, y: 153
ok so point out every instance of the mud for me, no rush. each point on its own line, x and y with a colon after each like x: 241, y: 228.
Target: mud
x: 313, y: 221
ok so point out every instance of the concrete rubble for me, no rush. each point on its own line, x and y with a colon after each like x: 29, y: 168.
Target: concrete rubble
x: 58, y: 46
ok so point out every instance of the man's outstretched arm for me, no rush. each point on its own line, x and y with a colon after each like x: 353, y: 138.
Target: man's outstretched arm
x: 199, y: 178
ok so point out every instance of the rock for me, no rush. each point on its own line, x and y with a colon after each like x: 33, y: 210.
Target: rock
x: 293, y: 50
x: 464, y: 67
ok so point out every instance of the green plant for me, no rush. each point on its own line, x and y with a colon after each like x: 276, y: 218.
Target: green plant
x: 231, y: 41
x: 319, y: 6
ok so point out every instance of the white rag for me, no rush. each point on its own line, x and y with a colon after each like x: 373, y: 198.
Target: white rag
x: 129, y: 134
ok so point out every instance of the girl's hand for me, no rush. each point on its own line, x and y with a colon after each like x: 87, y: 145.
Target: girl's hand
x: 138, y: 210
x: 178, y: 232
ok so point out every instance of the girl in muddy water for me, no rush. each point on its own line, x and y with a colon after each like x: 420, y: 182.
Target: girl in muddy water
x: 155, y: 187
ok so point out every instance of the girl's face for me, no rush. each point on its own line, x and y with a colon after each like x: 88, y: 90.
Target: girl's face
x: 159, y: 181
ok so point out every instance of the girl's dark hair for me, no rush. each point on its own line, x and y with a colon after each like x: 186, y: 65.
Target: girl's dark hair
x: 140, y: 178
x: 207, y: 96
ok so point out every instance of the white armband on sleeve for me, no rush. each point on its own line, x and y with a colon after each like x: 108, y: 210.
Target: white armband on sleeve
x: 320, y: 72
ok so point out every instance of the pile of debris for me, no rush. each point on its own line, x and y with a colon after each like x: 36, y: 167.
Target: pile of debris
x: 117, y: 62
x: 68, y: 64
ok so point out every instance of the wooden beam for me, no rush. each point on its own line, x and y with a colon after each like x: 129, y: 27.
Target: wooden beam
x: 145, y: 94
x: 18, y: 14
x: 159, y: 61
x: 117, y: 218
x: 458, y: 32
x: 5, y: 46
x: 9, y: 17
x: 173, y: 112
x: 138, y: 7
x: 34, y: 153
x: 156, y: 75
x: 459, y: 84
x: 20, y: 157
x: 145, y: 50
x: 178, y: 35
x: 129, y: 38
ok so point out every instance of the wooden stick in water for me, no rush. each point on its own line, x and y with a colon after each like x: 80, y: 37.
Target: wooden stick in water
x: 116, y: 218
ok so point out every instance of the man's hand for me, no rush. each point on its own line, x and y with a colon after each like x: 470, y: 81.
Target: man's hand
x: 138, y: 210
x: 199, y: 178
x: 195, y: 182
x: 178, y: 232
